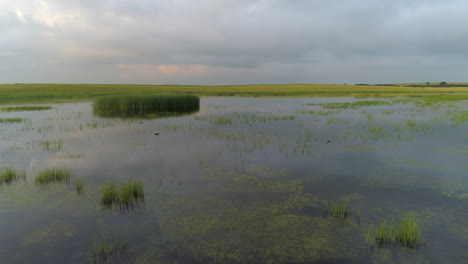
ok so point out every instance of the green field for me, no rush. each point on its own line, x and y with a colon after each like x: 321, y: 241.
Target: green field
x: 35, y: 92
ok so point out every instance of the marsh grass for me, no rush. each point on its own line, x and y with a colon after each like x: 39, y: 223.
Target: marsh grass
x: 125, y: 195
x: 336, y: 208
x: 353, y: 105
x: 9, y: 175
x: 461, y: 117
x: 104, y: 249
x: 406, y: 233
x: 145, y: 106
x: 25, y: 108
x: 52, y: 145
x: 52, y: 175
x: 11, y: 120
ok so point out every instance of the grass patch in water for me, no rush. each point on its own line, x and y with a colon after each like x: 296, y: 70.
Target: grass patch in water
x: 145, y: 106
x: 25, y: 108
x: 11, y: 120
x: 9, y: 175
x: 104, y: 249
x: 406, y: 234
x: 53, y: 175
x: 353, y: 105
x: 124, y: 195
x: 336, y: 208
x: 461, y: 117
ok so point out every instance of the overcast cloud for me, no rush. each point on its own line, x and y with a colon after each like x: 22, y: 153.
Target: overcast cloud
x: 233, y: 41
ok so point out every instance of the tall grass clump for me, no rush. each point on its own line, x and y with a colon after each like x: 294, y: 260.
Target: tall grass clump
x: 53, y: 175
x: 336, y: 208
x: 406, y: 233
x: 145, y: 106
x: 25, y: 108
x: 11, y: 120
x: 124, y: 195
x: 9, y: 175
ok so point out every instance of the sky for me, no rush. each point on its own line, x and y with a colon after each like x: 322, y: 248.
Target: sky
x: 210, y: 42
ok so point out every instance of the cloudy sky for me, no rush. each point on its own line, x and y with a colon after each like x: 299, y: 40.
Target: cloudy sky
x: 233, y: 41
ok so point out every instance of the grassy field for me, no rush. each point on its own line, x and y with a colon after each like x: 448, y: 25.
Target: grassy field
x: 39, y: 92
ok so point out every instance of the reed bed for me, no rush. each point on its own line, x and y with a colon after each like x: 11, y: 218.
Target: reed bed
x: 145, y: 106
x: 52, y: 175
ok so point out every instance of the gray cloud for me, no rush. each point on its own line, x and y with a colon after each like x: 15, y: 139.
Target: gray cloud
x: 233, y: 41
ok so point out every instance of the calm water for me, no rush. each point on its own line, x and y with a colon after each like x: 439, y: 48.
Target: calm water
x: 240, y: 181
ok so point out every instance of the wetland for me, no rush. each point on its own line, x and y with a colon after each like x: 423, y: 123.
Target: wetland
x: 152, y: 179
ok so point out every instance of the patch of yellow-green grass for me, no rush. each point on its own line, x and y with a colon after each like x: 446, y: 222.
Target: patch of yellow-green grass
x: 11, y: 120
x: 25, y: 108
x: 41, y: 92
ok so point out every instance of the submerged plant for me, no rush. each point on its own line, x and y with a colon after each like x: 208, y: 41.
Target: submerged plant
x: 124, y: 195
x: 53, y: 175
x: 9, y: 175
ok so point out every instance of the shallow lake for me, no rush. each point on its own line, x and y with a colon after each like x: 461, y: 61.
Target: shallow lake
x: 242, y: 180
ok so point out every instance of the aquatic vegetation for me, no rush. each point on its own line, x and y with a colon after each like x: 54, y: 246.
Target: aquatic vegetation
x: 124, y: 195
x: 9, y: 175
x: 52, y: 145
x: 461, y: 117
x: 25, y: 108
x: 11, y: 120
x: 336, y: 208
x: 79, y: 186
x: 406, y: 234
x: 145, y: 106
x: 411, y: 123
x: 353, y: 105
x: 104, y: 249
x: 53, y: 175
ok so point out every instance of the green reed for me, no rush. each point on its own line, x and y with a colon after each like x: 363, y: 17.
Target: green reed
x: 9, y: 175
x: 124, y: 195
x: 406, y: 233
x: 104, y: 249
x: 51, y: 175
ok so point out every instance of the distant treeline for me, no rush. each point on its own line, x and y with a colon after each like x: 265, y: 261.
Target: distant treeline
x: 378, y: 84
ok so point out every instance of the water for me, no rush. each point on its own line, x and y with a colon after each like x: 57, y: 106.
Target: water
x: 240, y: 181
